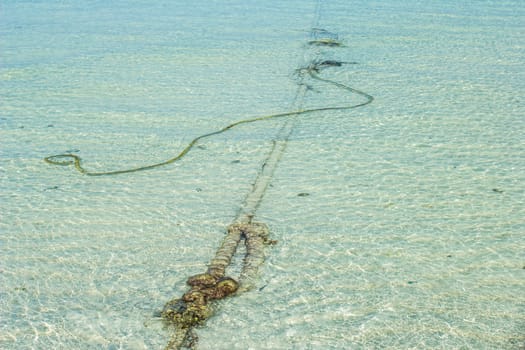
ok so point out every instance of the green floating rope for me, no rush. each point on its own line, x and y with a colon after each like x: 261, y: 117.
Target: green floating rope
x: 67, y: 159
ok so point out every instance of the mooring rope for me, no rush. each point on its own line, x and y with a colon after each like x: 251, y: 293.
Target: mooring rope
x: 194, y: 307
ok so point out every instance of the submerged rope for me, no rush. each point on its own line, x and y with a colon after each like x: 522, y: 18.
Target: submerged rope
x: 66, y: 159
x: 195, y: 306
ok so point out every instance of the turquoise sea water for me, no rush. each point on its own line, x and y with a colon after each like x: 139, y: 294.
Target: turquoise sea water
x: 410, y: 237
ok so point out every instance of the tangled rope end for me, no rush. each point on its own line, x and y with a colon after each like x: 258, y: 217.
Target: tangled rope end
x: 65, y: 160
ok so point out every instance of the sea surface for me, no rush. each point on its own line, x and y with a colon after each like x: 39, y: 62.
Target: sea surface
x: 400, y: 224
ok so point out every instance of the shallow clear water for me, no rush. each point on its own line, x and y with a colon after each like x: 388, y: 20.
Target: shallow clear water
x: 411, y: 235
